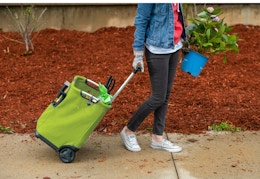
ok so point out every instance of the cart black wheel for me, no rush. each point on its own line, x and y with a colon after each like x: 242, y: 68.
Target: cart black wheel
x: 67, y: 155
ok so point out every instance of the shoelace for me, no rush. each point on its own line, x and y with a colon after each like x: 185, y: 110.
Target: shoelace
x: 132, y: 139
x: 167, y: 143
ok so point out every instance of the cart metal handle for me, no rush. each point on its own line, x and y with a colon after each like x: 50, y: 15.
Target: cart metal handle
x: 93, y: 84
x: 89, y: 97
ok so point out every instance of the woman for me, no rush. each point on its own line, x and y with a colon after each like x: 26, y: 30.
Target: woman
x: 159, y: 34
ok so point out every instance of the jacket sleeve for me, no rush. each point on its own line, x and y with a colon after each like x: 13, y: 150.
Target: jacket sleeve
x: 143, y: 15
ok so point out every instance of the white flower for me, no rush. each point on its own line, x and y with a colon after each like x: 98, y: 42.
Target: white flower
x: 210, y: 9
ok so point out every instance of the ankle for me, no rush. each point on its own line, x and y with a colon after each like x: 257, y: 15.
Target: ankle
x: 128, y: 131
x: 157, y: 138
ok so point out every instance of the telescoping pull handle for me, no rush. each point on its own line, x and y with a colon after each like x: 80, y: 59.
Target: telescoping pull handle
x: 126, y: 81
x: 139, y: 68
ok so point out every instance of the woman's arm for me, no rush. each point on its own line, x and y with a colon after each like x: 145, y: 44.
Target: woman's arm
x: 142, y: 19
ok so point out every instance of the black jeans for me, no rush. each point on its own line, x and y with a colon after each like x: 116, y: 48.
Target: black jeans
x: 162, y: 69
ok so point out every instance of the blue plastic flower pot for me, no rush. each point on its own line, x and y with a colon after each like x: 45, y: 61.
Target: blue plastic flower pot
x: 193, y: 62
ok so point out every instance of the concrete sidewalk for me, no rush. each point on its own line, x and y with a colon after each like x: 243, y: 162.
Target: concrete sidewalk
x: 212, y: 155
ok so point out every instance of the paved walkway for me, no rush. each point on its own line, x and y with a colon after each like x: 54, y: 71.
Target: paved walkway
x: 212, y: 155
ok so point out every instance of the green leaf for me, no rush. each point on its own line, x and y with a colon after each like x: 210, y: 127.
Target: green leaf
x: 207, y: 44
x: 196, y: 35
x: 225, y: 37
x: 222, y: 29
x: 232, y: 38
x: 194, y: 21
x: 228, y: 29
x: 208, y: 34
x: 234, y: 48
x: 203, y: 14
x: 216, y: 11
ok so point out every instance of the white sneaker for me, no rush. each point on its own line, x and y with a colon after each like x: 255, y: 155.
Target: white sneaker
x: 130, y: 141
x: 166, y: 145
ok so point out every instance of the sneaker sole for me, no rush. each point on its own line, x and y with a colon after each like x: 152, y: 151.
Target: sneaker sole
x: 169, y: 150
x: 126, y: 146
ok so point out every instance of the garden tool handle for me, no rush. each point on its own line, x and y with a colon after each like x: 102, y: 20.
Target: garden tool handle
x: 110, y: 84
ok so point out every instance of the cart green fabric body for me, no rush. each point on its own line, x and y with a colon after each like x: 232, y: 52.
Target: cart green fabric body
x: 68, y: 121
x: 72, y: 116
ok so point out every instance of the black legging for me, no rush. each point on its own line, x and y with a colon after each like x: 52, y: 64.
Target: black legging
x: 162, y: 69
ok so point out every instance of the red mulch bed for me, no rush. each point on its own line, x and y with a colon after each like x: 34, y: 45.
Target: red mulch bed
x: 223, y: 92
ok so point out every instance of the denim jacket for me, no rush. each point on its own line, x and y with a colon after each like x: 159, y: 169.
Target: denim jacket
x: 154, y: 25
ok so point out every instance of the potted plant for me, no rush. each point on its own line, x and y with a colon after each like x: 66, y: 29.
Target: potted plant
x: 207, y: 34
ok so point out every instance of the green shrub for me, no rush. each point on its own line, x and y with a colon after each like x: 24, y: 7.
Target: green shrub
x: 224, y: 126
x: 6, y: 130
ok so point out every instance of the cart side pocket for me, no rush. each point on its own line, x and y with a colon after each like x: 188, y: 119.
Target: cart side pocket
x: 61, y: 94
